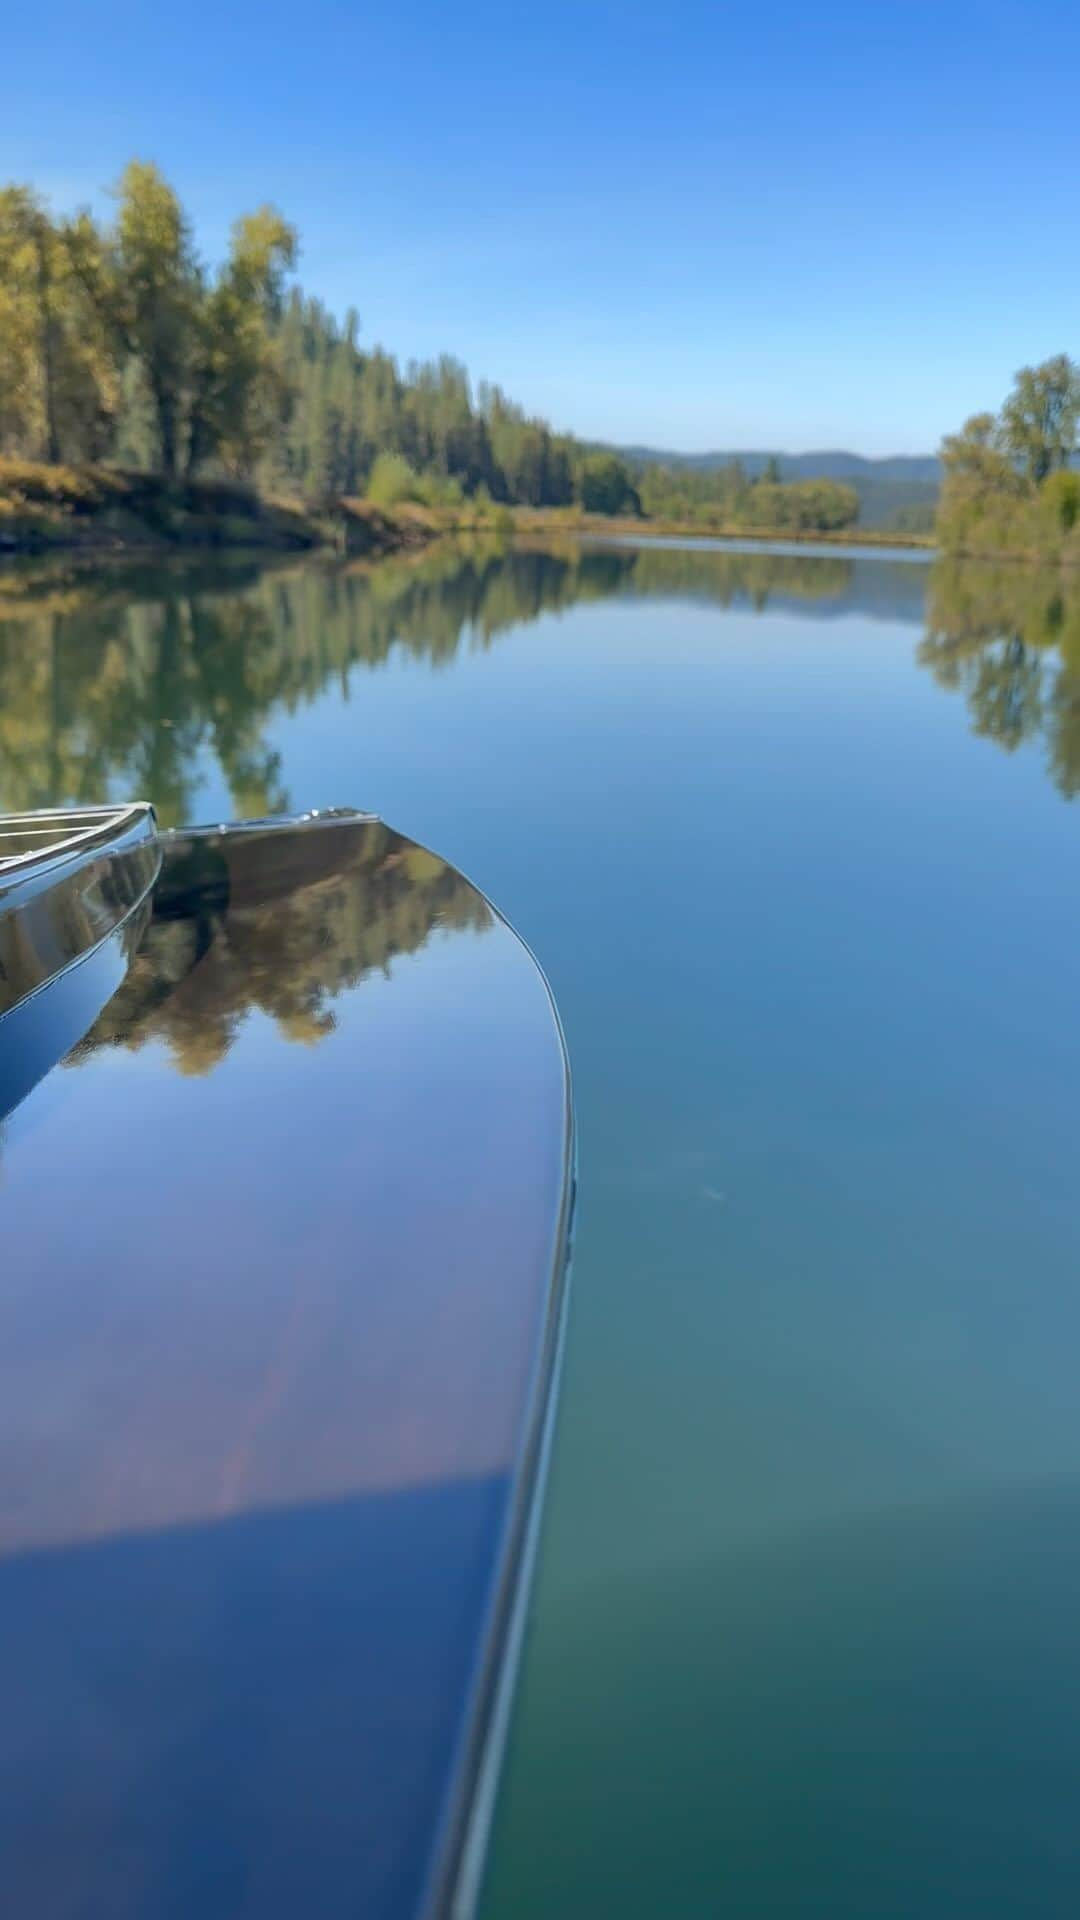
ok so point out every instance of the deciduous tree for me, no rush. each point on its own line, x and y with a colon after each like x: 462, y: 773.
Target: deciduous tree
x: 1039, y: 418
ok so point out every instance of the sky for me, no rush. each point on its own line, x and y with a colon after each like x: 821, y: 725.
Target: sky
x: 686, y: 225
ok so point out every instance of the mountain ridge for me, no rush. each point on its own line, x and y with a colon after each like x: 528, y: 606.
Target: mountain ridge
x: 827, y: 462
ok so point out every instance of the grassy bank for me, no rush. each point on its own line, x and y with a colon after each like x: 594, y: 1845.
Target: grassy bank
x: 543, y: 520
x: 112, y: 510
x: 107, y: 509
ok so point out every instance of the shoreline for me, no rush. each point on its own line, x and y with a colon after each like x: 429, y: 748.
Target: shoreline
x: 557, y: 520
x: 99, y: 511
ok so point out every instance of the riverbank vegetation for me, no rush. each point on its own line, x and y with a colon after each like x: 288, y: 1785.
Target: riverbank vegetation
x: 725, y: 496
x: 1011, y: 488
x: 43, y: 506
x: 102, y: 509
x: 123, y: 354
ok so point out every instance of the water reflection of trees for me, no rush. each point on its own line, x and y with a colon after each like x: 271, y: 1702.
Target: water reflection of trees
x: 130, y: 680
x: 727, y: 579
x: 133, y: 680
x: 1008, y: 639
x: 279, y: 922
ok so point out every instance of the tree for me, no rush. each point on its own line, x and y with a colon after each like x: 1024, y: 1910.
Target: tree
x: 1039, y: 418
x: 30, y: 249
x: 238, y: 392
x: 20, y: 327
x: 1061, y: 496
x: 202, y: 352
x: 605, y: 486
x: 57, y: 380
x: 153, y: 294
x: 981, y: 489
x: 117, y: 342
x: 975, y: 454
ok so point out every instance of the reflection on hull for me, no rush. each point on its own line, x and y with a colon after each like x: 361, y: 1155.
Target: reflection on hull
x: 272, y: 1382
x: 74, y: 899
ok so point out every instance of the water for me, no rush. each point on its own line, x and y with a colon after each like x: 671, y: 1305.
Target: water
x: 793, y: 841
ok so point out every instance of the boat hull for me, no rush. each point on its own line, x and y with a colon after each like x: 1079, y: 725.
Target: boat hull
x: 274, y: 1382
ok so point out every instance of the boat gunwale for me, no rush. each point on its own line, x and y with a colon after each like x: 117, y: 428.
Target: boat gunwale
x: 102, y: 826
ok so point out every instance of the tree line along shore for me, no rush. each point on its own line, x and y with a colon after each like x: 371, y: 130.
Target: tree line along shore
x: 147, y: 397
x: 149, y: 400
x: 102, y: 509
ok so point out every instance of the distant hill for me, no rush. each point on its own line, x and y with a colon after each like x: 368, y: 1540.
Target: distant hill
x: 890, y: 490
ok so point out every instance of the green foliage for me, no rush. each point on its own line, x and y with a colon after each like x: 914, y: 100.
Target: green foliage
x: 723, y: 497
x: 1039, y: 418
x: 1008, y: 485
x: 117, y: 342
x: 801, y: 506
x: 441, y: 490
x: 150, y: 291
x: 605, y: 485
x: 392, y: 481
x: 239, y: 397
x: 349, y: 407
x: 45, y: 504
x: 57, y: 386
x: 1061, y: 498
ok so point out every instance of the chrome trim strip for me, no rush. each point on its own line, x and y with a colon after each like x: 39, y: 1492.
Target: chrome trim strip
x: 58, y: 903
x: 458, y: 1874
x: 63, y: 831
x: 472, y: 1865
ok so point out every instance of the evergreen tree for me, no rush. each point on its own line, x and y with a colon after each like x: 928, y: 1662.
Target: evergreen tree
x: 117, y: 342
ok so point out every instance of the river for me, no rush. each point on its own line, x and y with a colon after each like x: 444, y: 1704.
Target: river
x: 792, y: 838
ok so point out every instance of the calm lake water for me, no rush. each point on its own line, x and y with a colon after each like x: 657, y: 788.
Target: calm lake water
x: 793, y: 839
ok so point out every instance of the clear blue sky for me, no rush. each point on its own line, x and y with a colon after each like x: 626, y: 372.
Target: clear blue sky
x: 695, y: 225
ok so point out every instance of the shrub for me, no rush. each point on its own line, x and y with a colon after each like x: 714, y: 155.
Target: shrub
x: 1061, y: 497
x: 392, y: 481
